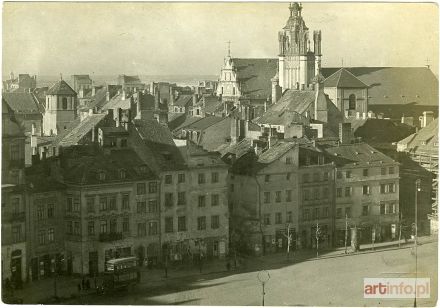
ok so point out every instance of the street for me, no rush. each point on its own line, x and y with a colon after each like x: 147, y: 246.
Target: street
x: 334, y: 281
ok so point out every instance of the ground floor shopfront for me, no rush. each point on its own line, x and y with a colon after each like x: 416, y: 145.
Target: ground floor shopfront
x: 367, y: 233
x: 46, y: 265
x: 14, y: 267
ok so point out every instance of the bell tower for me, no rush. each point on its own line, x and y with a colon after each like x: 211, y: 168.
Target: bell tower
x: 297, y: 62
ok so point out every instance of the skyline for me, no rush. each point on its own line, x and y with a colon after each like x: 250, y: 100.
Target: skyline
x: 190, y: 38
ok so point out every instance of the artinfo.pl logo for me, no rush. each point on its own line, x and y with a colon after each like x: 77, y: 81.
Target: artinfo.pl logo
x: 396, y: 287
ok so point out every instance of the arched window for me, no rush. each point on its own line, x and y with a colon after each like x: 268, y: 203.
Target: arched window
x: 64, y: 103
x: 352, y: 102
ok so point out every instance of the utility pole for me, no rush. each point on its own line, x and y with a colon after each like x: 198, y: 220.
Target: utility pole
x: 288, y: 236
x: 415, y: 238
x: 346, y: 232
x: 400, y: 226
x: 317, y: 238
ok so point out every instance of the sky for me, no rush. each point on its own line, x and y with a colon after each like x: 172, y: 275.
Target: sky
x: 49, y: 38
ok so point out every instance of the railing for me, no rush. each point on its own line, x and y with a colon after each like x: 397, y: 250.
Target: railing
x: 108, y: 237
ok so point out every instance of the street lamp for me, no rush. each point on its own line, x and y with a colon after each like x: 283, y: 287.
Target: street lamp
x: 263, y: 277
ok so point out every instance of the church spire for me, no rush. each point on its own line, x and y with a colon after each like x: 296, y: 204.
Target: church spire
x: 295, y: 8
x: 229, y: 48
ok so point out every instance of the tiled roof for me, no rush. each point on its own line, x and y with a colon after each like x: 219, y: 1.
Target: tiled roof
x: 84, y: 169
x: 425, y: 141
x: 61, y: 88
x: 238, y: 149
x: 202, y: 123
x: 290, y: 106
x: 154, y: 143
x: 212, y: 104
x: 254, y: 76
x: 344, y: 79
x: 188, y: 121
x: 22, y: 103
x: 83, y: 128
x: 360, y: 153
x: 379, y: 130
x: 275, y: 152
x: 117, y: 102
x: 396, y: 85
x: 114, y: 130
x: 11, y: 129
x: 183, y: 101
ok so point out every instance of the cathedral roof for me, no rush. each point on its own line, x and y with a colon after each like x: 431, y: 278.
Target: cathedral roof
x: 61, y: 88
x: 396, y: 85
x: 22, y: 103
x: 344, y: 79
x: 255, y: 76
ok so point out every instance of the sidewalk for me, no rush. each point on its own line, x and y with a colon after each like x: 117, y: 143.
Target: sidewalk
x: 67, y: 286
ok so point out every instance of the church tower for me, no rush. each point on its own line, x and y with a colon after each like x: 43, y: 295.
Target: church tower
x: 60, y: 108
x: 298, y: 64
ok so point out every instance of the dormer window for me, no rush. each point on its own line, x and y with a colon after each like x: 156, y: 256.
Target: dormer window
x: 101, y: 175
x: 143, y: 168
x: 122, y: 174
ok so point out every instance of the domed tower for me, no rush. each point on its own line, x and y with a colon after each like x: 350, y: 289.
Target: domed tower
x: 296, y: 60
x: 60, y: 108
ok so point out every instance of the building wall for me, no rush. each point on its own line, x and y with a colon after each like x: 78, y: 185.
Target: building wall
x: 55, y: 117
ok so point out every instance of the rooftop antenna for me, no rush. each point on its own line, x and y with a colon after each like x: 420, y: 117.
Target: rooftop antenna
x: 229, y: 48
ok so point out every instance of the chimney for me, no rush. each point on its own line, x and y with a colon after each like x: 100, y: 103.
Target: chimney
x: 303, y: 87
x: 358, y: 115
x: 234, y: 136
x: 246, y: 128
x: 345, y: 133
x: 364, y: 115
x: 81, y: 92
x: 265, y: 106
x: 93, y: 90
x: 107, y: 96
x: 428, y: 117
x: 171, y: 96
x: 195, y: 98
x: 156, y: 99
x: 123, y: 94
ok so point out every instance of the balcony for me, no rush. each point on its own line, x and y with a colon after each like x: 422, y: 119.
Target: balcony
x: 16, y: 216
x: 109, y: 237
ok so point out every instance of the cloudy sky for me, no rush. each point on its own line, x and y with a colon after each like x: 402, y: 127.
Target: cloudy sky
x: 190, y: 38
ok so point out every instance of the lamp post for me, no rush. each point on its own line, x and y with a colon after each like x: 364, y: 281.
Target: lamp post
x: 415, y: 237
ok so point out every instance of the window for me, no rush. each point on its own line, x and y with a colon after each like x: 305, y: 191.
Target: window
x: 348, y: 212
x: 152, y: 187
x: 339, y: 212
x: 365, y: 172
x: 315, y: 177
x: 348, y: 174
x: 266, y: 219
x: 278, y: 196
x: 76, y: 205
x: 168, y: 179
x: 16, y: 234
x: 382, y: 208
x: 288, y: 176
x: 42, y: 237
x: 181, y: 198
x: 201, y: 223
x: 352, y: 102
x: 69, y: 227
x: 391, y: 170
x: 214, y: 177
x: 126, y: 224
x: 103, y: 227
x: 101, y: 175
x: 306, y: 178
x: 278, y: 218
x: 232, y: 187
x: 339, y: 174
x: 181, y: 223
x: 201, y: 178
x: 76, y: 229
x: 69, y: 205
x: 91, y: 227
x: 181, y: 178
x: 365, y: 210
x: 141, y: 207
x: 40, y: 212
x: 202, y: 200
x: 339, y: 192
x: 306, y: 214
x: 316, y: 193
x: 15, y: 205
x: 169, y: 224
x: 90, y: 204
x: 306, y: 194
x: 391, y: 208
x: 365, y: 190
x: 289, y: 216
x: 64, y: 103
x: 51, y: 235
x: 142, y: 229
x: 326, y: 176
x: 347, y: 191
x: 15, y: 152
x: 112, y: 203
x: 267, y: 197
x: 152, y: 227
x: 325, y: 193
x: 140, y: 189
x: 169, y: 199
x: 122, y: 174
x: 152, y: 206
x: 325, y: 212
x: 288, y: 195
x: 215, y: 222
x: 383, y: 171
x: 267, y: 178
x: 288, y: 160
x: 316, y: 213
x: 125, y: 202
x: 214, y: 199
